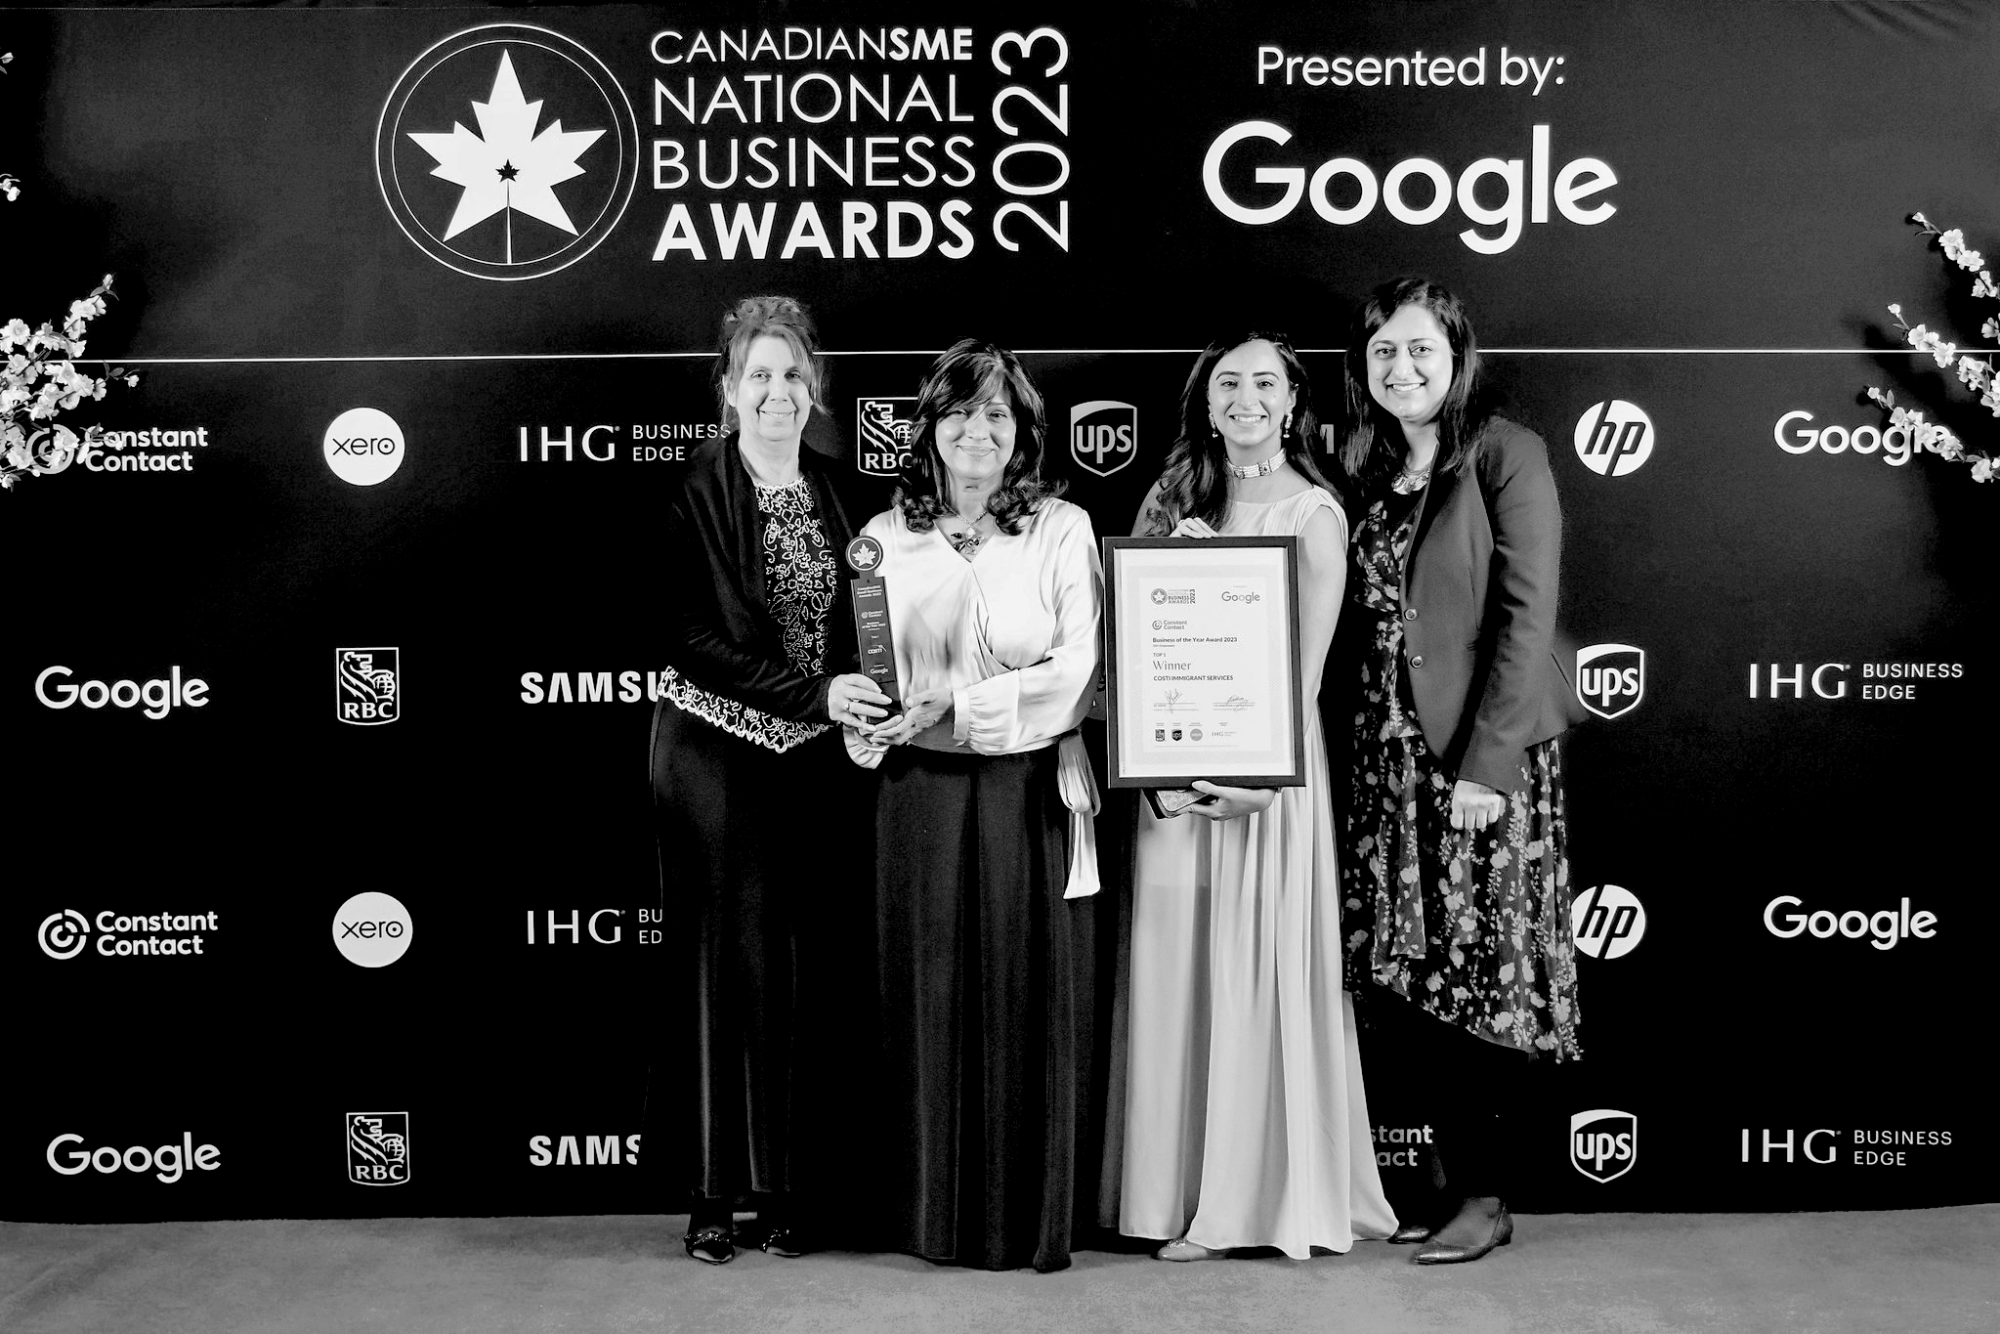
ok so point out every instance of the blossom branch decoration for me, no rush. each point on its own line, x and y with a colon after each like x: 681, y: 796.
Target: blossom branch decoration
x: 39, y: 381
x: 1975, y: 374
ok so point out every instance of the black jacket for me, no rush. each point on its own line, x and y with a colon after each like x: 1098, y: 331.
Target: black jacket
x: 725, y: 638
x: 1479, y: 602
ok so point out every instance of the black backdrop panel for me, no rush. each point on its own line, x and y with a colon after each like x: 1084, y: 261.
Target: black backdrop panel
x: 1786, y: 784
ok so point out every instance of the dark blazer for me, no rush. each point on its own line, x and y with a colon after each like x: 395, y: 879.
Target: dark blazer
x: 725, y: 638
x: 1479, y: 610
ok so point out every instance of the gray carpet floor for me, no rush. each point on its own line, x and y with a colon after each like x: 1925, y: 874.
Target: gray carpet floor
x: 1931, y: 1271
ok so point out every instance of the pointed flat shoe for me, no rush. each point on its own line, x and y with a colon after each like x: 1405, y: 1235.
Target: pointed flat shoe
x: 1443, y: 1253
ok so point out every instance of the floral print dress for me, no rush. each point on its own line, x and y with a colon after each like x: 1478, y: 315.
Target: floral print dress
x: 1471, y: 926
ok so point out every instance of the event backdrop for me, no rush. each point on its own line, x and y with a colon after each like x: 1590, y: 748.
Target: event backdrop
x: 356, y: 912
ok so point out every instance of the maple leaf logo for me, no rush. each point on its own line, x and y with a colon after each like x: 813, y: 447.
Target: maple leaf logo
x: 507, y: 167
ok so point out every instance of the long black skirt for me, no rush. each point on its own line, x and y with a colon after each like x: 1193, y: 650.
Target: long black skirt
x: 764, y: 868
x: 986, y: 1011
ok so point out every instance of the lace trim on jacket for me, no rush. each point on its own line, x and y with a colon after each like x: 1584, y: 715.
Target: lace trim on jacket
x: 737, y: 719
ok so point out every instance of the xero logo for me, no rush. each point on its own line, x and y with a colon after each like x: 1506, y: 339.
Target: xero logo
x: 364, y: 446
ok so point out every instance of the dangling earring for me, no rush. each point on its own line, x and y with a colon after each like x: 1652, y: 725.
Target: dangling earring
x: 1288, y: 424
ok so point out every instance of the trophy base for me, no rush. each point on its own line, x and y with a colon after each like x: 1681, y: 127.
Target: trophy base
x: 1167, y: 802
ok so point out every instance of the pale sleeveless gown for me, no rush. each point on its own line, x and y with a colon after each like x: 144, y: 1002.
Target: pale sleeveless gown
x: 1246, y: 1123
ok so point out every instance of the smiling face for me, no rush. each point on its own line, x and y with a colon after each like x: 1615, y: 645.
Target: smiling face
x: 1250, y: 398
x: 772, y: 397
x: 1410, y: 366
x: 975, y: 440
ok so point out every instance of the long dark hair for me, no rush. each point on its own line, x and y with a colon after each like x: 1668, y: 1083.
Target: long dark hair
x: 1195, y: 482
x: 970, y: 372
x: 1372, y: 447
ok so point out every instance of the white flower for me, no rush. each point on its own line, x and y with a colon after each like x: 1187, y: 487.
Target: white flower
x: 1971, y: 260
x: 1982, y: 470
x: 13, y: 334
x: 1953, y: 243
x: 1918, y: 217
x: 1948, y: 445
x: 1896, y: 309
x: 1983, y: 285
x: 1990, y: 330
x: 1882, y: 398
x: 1973, y: 373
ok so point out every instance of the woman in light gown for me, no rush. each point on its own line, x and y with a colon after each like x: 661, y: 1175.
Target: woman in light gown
x: 1245, y: 1120
x: 983, y: 832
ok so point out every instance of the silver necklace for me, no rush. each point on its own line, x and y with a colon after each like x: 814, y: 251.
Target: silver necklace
x: 1409, y: 480
x: 1264, y: 469
x: 968, y: 542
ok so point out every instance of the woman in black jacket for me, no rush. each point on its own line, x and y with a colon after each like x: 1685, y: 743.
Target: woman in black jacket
x: 1455, y: 864
x: 748, y: 776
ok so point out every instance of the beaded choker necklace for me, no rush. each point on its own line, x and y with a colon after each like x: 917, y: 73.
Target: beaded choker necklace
x: 1264, y: 469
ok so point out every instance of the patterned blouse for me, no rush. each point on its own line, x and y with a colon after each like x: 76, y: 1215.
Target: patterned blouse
x: 802, y: 581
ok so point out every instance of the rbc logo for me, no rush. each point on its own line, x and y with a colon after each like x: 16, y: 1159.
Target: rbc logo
x: 1103, y: 435
x: 1614, y: 438
x: 1610, y: 678
x: 884, y: 428
x: 366, y: 689
x: 378, y: 1148
x: 1607, y: 921
x: 1603, y: 1144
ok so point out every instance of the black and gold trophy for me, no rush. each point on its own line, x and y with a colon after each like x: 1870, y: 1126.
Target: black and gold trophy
x: 871, y: 617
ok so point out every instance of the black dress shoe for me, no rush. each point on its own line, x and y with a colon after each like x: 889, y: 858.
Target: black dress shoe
x: 1437, y: 1252
x: 710, y: 1245
x: 1409, y: 1234
x: 781, y: 1241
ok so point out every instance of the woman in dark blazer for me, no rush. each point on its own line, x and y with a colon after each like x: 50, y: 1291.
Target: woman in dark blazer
x: 1455, y: 868
x: 749, y: 780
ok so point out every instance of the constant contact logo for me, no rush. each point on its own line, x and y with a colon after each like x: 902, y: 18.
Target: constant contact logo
x: 544, y: 178
x: 367, y: 686
x: 884, y: 428
x: 66, y: 934
x: 1103, y: 435
x: 153, y: 449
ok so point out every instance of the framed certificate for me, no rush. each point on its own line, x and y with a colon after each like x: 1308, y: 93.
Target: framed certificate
x: 1202, y: 671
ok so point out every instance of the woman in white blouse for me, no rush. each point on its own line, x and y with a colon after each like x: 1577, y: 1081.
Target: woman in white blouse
x: 983, y: 824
